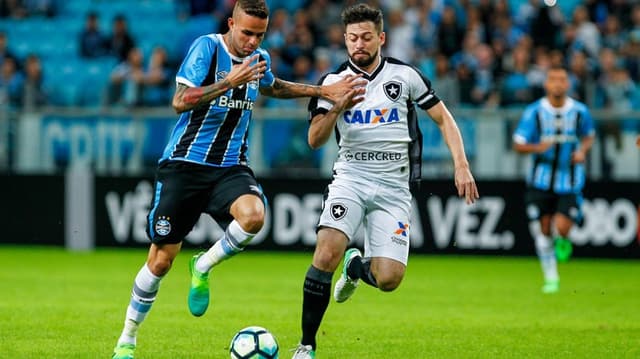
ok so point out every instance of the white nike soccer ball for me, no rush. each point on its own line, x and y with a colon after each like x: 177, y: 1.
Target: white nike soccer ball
x: 253, y: 343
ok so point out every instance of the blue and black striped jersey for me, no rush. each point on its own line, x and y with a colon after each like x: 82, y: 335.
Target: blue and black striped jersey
x: 215, y: 134
x: 565, y: 127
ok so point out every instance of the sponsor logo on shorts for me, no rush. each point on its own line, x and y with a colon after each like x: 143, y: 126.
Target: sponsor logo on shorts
x: 400, y: 241
x: 163, y: 226
x: 403, y: 229
x: 372, y: 156
x: 400, y: 234
x: 338, y: 211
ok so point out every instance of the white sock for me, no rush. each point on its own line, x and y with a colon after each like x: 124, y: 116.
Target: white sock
x: 547, y: 257
x: 145, y: 289
x: 232, y: 242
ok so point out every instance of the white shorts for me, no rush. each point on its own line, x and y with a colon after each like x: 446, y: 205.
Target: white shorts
x: 383, y: 211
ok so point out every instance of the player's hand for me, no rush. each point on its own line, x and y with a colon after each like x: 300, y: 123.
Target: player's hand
x: 338, y: 89
x: 638, y: 141
x: 347, y: 100
x: 466, y: 185
x: 578, y: 157
x: 544, y: 146
x: 250, y: 70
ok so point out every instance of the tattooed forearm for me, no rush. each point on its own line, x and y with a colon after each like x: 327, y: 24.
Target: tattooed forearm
x: 188, y: 98
x: 286, y: 89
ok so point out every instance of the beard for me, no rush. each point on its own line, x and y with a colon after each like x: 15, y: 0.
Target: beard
x: 364, y: 61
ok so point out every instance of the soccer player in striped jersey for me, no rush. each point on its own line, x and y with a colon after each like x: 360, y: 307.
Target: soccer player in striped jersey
x: 380, y: 152
x: 558, y: 131
x: 204, y: 167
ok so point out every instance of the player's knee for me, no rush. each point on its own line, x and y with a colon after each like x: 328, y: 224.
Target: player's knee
x: 160, y: 266
x: 388, y: 283
x: 251, y: 221
x: 327, y: 259
x: 564, y: 230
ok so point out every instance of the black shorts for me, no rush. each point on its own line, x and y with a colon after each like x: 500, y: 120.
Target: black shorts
x: 540, y: 203
x: 184, y: 190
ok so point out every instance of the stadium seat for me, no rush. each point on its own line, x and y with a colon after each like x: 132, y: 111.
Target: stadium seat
x: 192, y: 29
x: 95, y: 75
x: 63, y: 95
x: 64, y: 78
x: 73, y: 8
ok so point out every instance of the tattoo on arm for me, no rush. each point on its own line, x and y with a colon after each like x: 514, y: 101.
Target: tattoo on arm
x: 188, y: 98
x: 286, y: 89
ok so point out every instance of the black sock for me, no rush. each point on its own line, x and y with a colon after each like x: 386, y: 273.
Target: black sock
x: 360, y: 268
x: 315, y: 300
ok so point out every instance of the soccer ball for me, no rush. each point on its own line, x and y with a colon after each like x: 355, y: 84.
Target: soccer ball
x: 253, y: 343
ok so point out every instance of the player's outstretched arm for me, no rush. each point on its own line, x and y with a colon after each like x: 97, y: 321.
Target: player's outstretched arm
x: 464, y: 181
x: 187, y: 98
x: 525, y: 148
x: 287, y: 89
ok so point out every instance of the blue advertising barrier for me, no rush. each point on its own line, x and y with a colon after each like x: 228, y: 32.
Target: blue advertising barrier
x: 132, y: 144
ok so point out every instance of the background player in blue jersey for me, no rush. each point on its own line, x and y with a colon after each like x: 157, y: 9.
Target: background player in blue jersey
x: 558, y: 131
x: 380, y: 149
x: 204, y: 166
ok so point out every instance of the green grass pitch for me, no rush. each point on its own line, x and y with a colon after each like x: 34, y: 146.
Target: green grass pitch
x: 56, y: 304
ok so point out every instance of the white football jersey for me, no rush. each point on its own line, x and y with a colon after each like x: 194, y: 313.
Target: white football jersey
x: 380, y: 135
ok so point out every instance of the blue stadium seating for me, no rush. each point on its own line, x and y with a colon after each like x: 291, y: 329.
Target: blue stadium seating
x: 151, y: 22
x: 94, y: 72
x: 565, y: 6
x: 55, y: 40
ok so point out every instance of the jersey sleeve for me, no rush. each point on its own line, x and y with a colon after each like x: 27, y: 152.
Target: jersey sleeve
x: 268, y: 79
x: 421, y: 91
x: 195, y: 66
x: 318, y: 105
x: 527, y: 132
x: 587, y: 127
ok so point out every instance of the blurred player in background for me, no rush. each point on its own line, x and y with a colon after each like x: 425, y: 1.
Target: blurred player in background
x: 204, y: 166
x: 380, y: 153
x: 558, y: 131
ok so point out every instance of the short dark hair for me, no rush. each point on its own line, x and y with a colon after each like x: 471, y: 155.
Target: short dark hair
x: 257, y: 8
x: 362, y: 13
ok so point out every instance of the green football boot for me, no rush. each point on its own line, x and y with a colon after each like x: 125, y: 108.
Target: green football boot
x: 199, y: 289
x: 563, y: 248
x: 345, y: 286
x: 123, y: 351
x: 551, y: 286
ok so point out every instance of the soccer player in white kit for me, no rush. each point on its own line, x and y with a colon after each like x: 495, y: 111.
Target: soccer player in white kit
x: 380, y: 152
